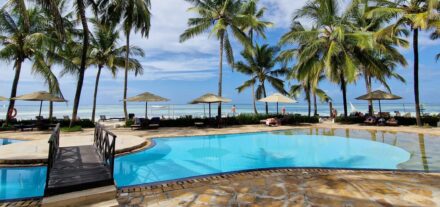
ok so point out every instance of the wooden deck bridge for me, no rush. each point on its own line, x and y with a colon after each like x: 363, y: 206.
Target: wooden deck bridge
x: 78, y: 168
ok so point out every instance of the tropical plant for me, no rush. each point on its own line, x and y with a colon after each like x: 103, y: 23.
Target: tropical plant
x: 257, y: 26
x: 329, y: 45
x: 417, y: 15
x: 104, y: 52
x: 219, y: 17
x: 260, y: 64
x: 379, y: 61
x: 19, y: 40
x: 133, y: 15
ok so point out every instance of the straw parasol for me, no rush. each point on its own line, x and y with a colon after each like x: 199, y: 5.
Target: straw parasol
x: 3, y: 98
x: 146, y: 97
x: 39, y: 96
x: 210, y: 98
x: 278, y: 98
x: 378, y: 96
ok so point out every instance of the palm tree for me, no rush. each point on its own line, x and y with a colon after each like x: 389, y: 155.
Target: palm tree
x: 219, y: 17
x: 260, y: 66
x: 104, y: 52
x: 417, y: 15
x: 257, y: 26
x: 134, y: 15
x: 19, y: 40
x: 329, y: 43
x: 380, y: 61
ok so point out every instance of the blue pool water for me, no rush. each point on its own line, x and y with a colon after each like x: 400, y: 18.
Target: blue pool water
x: 176, y: 158
x: 21, y: 183
x: 4, y: 141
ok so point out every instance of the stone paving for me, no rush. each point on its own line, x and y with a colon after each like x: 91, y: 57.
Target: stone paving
x: 293, y: 188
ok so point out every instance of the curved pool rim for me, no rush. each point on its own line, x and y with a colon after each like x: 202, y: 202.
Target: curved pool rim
x: 153, y: 143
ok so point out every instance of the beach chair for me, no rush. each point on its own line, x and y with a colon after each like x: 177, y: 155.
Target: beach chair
x: 154, y: 123
x: 138, y: 124
x: 273, y: 122
x: 370, y: 121
x: 102, y: 118
x: 392, y: 122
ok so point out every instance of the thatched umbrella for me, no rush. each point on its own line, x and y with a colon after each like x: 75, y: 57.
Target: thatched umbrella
x: 40, y: 96
x: 3, y: 98
x: 210, y: 98
x: 147, y: 97
x: 378, y: 96
x: 278, y: 98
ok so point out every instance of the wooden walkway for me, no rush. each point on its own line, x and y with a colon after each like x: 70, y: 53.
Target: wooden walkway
x: 81, y: 167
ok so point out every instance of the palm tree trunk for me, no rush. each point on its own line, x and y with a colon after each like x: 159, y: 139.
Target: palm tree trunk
x: 220, y: 74
x: 95, y: 95
x: 265, y: 95
x: 368, y: 87
x: 254, y: 99
x: 416, y: 75
x: 344, y: 94
x: 82, y: 13
x: 50, y: 104
x: 18, y: 63
x: 126, y: 72
x: 315, y: 105
x: 309, y: 104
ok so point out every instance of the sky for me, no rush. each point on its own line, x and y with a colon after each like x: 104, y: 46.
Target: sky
x: 184, y: 71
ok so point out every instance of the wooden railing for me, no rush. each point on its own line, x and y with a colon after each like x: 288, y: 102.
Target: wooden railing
x: 105, y: 143
x: 54, y: 144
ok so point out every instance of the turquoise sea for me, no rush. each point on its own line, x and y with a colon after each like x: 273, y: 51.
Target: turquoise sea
x: 29, y: 111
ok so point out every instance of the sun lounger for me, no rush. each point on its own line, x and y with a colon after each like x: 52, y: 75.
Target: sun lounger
x: 392, y: 122
x: 138, y: 124
x: 102, y: 118
x: 154, y: 123
x: 370, y: 121
x: 199, y: 124
x: 273, y: 122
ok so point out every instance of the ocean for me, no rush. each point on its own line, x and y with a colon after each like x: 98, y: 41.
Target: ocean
x: 29, y: 111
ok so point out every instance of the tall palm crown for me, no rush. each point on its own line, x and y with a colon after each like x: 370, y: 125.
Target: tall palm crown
x: 104, y: 52
x: 380, y: 61
x: 219, y: 18
x: 260, y: 64
x: 331, y: 42
x: 134, y: 15
x: 417, y: 15
x: 19, y: 40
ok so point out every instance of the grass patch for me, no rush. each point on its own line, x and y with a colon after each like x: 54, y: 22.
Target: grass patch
x: 72, y: 129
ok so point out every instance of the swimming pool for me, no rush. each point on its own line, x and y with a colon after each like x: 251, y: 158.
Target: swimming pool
x: 5, y: 141
x: 177, y: 158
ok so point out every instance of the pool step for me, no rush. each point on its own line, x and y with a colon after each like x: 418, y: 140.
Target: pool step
x: 109, y: 203
x: 82, y: 198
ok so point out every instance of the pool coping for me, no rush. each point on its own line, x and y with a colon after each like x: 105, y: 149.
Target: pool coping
x: 179, y: 183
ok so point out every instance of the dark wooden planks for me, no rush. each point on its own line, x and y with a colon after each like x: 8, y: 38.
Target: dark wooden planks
x: 77, y: 168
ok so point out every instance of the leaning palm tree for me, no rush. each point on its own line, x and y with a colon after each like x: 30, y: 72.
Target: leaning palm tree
x: 260, y: 64
x: 219, y: 17
x: 104, y: 52
x: 19, y: 40
x: 417, y: 15
x: 133, y: 15
x: 257, y: 26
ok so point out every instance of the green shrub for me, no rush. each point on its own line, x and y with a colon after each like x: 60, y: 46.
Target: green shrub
x: 76, y: 128
x: 404, y: 121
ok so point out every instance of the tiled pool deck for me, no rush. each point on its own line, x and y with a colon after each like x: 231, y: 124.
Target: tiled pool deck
x: 299, y: 187
x: 293, y: 188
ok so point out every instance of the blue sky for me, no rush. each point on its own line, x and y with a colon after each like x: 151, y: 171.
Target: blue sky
x: 183, y: 71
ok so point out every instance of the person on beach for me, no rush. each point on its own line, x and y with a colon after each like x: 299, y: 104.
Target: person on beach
x: 233, y: 110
